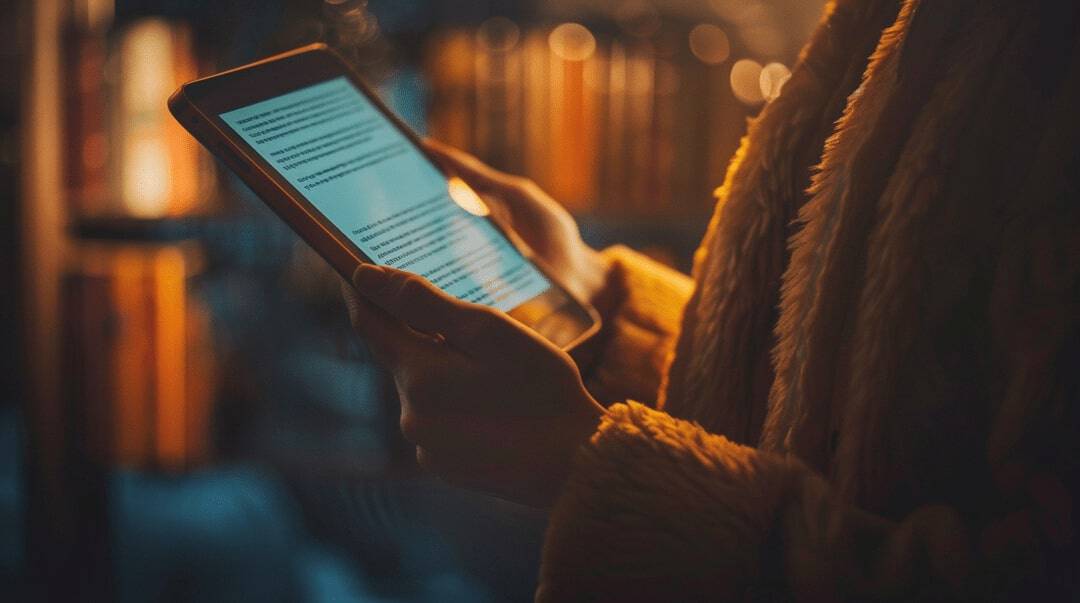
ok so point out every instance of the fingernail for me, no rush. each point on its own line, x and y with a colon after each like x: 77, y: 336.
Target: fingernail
x: 368, y: 277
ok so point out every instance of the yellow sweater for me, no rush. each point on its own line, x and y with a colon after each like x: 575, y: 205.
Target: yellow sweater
x: 874, y: 384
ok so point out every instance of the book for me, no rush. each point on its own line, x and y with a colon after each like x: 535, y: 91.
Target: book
x: 139, y: 359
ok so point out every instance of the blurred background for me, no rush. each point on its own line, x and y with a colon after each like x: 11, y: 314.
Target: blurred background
x: 184, y: 414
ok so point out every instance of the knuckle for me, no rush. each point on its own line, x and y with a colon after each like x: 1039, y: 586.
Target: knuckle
x: 397, y: 284
x: 411, y: 287
x: 523, y: 185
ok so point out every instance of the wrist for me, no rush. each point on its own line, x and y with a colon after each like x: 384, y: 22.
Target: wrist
x: 582, y: 427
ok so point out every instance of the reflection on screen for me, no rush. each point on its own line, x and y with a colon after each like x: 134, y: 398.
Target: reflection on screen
x: 354, y: 166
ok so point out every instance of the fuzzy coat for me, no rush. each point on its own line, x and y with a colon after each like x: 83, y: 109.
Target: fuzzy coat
x: 874, y: 393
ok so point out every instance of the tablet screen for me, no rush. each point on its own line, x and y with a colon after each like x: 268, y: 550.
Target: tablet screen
x: 353, y: 165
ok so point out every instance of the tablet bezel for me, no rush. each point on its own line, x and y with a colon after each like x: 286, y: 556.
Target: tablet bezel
x: 198, y: 105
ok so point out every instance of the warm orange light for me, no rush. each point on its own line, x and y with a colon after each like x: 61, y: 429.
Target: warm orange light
x: 148, y: 69
x: 746, y: 81
x: 640, y: 76
x: 772, y: 79
x: 450, y: 66
x: 668, y: 81
x: 93, y: 14
x: 146, y: 178
x: 158, y: 164
x: 709, y: 44
x: 131, y: 366
x: 170, y: 339
x: 466, y: 197
x: 572, y: 42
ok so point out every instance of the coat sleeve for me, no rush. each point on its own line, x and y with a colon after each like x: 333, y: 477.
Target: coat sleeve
x: 646, y: 301
x: 658, y: 509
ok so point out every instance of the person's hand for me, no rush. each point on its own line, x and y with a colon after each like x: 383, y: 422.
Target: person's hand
x: 539, y: 220
x: 489, y: 404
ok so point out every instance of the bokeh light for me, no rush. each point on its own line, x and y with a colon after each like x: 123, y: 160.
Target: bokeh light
x: 746, y: 81
x: 498, y: 34
x: 772, y: 79
x: 572, y: 42
x: 709, y: 44
x: 466, y: 197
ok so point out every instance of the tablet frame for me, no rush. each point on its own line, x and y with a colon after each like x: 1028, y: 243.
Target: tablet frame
x: 556, y: 314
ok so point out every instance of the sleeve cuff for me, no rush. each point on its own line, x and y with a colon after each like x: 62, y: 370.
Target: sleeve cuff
x: 641, y: 327
x: 655, y: 504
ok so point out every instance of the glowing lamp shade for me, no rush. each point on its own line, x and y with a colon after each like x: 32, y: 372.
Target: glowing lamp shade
x: 146, y: 177
x: 466, y: 197
x: 147, y: 61
x: 157, y: 169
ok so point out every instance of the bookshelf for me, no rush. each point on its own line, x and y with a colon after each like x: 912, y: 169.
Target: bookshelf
x: 628, y: 118
x: 156, y: 297
x: 116, y: 355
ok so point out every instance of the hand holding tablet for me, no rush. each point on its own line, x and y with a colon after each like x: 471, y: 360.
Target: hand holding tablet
x: 310, y: 139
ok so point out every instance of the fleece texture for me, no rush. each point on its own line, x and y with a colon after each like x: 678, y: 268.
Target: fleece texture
x: 873, y: 390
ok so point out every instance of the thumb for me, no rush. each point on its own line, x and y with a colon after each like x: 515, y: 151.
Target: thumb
x: 388, y: 339
x: 428, y: 309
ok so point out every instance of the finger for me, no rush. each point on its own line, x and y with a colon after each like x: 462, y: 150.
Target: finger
x: 426, y: 308
x: 500, y: 213
x: 388, y: 339
x: 476, y: 173
x: 523, y: 204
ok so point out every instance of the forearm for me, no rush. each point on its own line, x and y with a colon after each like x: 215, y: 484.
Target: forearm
x: 656, y: 506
